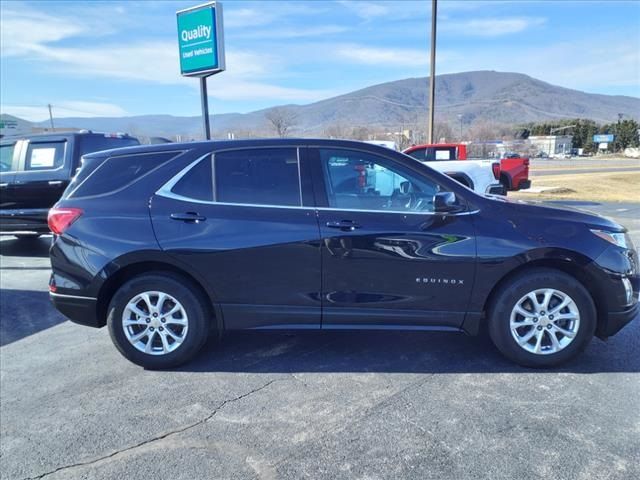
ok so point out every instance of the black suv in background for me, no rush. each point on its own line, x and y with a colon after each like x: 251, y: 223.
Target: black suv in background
x: 35, y: 170
x: 166, y: 244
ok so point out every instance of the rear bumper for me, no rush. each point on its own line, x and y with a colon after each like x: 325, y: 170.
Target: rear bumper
x: 524, y: 185
x: 27, y: 220
x: 497, y: 189
x: 78, y: 309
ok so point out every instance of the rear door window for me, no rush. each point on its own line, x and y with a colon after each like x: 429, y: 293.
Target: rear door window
x: 45, y: 155
x: 197, y: 183
x: 267, y: 176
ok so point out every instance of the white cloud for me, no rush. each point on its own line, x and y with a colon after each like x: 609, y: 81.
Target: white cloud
x: 367, y: 10
x: 395, y: 57
x: 143, y: 60
x: 491, y: 27
x: 72, y: 108
x: 21, y: 32
x: 229, y: 89
x: 287, y: 33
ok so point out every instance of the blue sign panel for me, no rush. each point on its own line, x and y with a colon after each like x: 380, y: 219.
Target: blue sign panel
x: 201, y: 40
x: 603, y: 138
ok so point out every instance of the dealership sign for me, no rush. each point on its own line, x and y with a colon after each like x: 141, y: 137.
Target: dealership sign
x: 608, y: 138
x: 201, y: 40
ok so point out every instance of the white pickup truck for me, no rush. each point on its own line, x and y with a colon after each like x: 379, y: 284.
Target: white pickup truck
x: 481, y: 176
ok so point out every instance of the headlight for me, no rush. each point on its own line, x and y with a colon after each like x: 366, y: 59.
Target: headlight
x: 619, y: 239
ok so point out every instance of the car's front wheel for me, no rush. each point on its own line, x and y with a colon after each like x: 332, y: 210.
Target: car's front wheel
x: 542, y: 318
x: 157, y: 322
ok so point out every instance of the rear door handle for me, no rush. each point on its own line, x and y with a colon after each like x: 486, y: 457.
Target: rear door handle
x: 188, y: 217
x: 344, y: 225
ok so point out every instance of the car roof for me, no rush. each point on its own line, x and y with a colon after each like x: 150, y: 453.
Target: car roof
x: 216, y: 145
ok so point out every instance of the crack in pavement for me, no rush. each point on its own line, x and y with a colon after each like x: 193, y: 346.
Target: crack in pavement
x: 157, y: 438
x: 363, y: 416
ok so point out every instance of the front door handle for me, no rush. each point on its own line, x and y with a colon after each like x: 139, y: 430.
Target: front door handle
x: 344, y: 225
x: 188, y: 217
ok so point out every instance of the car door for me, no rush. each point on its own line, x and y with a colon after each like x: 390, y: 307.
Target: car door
x: 388, y: 259
x: 9, y: 154
x: 43, y: 174
x: 238, y: 219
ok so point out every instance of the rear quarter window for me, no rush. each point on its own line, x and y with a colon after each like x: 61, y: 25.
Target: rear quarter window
x: 119, y: 172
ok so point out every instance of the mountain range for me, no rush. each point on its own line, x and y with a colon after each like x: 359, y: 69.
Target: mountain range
x: 483, y: 96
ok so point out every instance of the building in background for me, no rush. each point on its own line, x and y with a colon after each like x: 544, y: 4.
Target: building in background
x: 552, y: 145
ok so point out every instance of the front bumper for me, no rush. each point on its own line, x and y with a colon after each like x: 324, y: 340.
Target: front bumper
x: 27, y: 220
x: 616, y: 320
x: 78, y: 309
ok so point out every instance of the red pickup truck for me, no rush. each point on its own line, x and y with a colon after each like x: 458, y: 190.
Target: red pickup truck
x: 514, y: 171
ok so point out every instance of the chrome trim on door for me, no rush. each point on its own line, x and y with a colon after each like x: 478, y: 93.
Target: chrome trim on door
x: 63, y: 295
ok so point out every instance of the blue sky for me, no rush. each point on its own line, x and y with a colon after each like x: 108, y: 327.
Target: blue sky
x: 121, y: 58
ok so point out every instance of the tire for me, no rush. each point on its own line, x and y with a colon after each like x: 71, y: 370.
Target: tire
x: 573, y: 325
x: 176, y: 338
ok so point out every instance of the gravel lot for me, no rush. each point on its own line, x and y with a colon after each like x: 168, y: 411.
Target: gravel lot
x: 340, y: 405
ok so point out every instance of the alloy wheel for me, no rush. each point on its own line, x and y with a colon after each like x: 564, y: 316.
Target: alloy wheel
x: 155, y: 323
x: 544, y: 321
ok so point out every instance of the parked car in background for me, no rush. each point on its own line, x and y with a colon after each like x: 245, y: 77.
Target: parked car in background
x: 480, y: 176
x: 36, y: 169
x: 167, y: 244
x: 514, y: 169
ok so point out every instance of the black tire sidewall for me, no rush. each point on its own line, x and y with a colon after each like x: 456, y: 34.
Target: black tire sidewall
x: 193, y: 304
x: 500, y: 313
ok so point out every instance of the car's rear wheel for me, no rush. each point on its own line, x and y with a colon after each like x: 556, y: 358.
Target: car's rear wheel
x: 157, y: 321
x: 542, y: 318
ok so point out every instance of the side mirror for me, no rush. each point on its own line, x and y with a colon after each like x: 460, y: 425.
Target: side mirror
x: 446, y: 202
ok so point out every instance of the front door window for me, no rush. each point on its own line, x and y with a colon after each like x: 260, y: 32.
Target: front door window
x: 361, y: 181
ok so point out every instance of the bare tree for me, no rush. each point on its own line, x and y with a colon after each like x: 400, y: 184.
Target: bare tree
x: 442, y: 132
x: 336, y: 130
x: 282, y: 120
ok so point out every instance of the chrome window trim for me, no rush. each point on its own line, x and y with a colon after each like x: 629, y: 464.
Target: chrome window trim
x: 165, y: 190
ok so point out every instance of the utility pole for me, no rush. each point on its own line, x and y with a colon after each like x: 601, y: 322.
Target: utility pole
x: 432, y: 80
x: 50, y: 116
x: 460, y: 118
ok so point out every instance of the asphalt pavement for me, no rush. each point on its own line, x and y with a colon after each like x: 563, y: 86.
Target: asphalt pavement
x: 331, y: 405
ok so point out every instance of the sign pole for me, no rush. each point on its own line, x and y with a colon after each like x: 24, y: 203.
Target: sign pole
x: 204, y: 100
x: 432, y: 79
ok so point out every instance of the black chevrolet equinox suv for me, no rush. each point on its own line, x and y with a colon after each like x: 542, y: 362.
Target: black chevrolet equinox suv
x: 167, y: 244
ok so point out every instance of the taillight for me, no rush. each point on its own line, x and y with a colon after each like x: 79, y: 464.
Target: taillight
x: 59, y: 219
x: 496, y: 170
